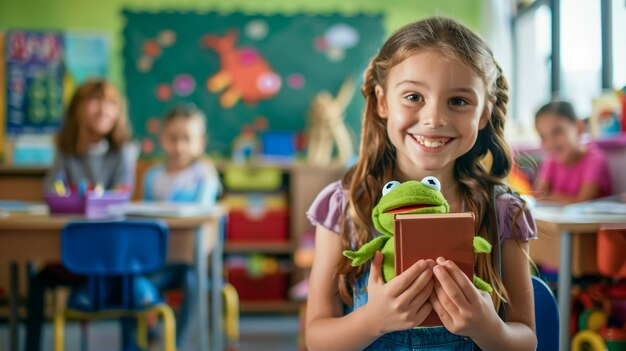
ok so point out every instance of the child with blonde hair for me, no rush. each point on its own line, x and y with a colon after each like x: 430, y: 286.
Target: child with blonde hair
x: 435, y: 105
x: 183, y: 177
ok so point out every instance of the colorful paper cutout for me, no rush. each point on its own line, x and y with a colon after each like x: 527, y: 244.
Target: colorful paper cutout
x: 257, y: 29
x: 239, y: 68
x: 163, y: 92
x: 184, y: 85
x: 166, y: 38
x: 295, y: 81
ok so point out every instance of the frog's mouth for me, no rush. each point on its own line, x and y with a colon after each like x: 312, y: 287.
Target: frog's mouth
x: 409, y: 208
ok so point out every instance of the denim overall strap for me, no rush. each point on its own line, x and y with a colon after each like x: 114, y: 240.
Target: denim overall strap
x: 427, y: 339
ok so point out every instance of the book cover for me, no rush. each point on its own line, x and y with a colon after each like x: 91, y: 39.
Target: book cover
x: 423, y: 236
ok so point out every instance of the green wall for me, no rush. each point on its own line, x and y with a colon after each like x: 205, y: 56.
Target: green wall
x: 105, y: 15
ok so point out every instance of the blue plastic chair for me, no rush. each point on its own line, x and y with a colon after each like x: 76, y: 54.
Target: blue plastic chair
x: 546, y: 316
x: 114, y: 255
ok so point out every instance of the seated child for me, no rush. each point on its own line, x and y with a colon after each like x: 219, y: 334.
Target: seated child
x: 93, y: 146
x: 571, y: 171
x: 182, y: 177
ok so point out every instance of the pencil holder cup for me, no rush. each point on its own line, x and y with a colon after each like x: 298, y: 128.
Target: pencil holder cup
x: 92, y: 204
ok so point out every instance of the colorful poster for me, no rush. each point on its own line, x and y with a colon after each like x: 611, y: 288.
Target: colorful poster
x: 34, y: 78
x: 86, y: 56
x: 241, y: 70
x: 2, y: 101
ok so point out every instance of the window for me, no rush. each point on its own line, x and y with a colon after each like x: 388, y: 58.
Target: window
x: 581, y: 53
x: 619, y: 43
x: 532, y: 65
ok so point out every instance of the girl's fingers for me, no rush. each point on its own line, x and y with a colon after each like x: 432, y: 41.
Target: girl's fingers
x: 417, y: 286
x: 463, y: 282
x: 423, y: 312
x: 401, y: 282
x: 375, y: 269
x: 449, y: 286
x: 439, y: 309
x: 422, y: 296
x: 445, y: 300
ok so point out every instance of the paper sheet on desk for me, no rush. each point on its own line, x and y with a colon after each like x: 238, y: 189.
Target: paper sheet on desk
x: 160, y: 209
x: 23, y: 207
x: 609, y: 207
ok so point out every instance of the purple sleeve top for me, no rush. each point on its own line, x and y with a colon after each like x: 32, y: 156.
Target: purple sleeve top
x: 330, y: 203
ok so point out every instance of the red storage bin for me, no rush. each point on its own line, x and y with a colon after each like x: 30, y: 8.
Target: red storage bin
x: 270, y: 226
x: 257, y: 218
x: 267, y: 287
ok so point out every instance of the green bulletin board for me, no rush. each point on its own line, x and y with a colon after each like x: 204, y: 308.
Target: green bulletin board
x: 272, y: 66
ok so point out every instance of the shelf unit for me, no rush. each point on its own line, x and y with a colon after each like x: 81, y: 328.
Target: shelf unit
x: 302, y: 183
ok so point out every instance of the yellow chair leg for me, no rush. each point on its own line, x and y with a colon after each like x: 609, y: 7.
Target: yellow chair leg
x: 231, y: 315
x: 142, y: 331
x: 59, y: 331
x: 169, y: 326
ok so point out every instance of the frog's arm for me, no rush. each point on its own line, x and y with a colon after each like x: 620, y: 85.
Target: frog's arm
x: 366, y: 251
x: 482, y: 285
x: 482, y: 246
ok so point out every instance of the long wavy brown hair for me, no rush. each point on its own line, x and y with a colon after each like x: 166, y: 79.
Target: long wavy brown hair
x: 67, y: 139
x: 377, y: 155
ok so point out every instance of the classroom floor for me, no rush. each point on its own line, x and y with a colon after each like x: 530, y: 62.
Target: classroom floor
x: 258, y: 332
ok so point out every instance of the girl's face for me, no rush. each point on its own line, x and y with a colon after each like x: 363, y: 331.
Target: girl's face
x: 182, y: 141
x: 560, y: 137
x: 99, y: 116
x: 434, y: 108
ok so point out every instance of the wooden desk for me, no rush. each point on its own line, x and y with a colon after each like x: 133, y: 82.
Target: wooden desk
x: 569, y: 223
x: 25, y: 238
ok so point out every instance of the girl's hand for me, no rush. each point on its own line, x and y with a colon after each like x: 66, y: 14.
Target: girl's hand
x: 401, y: 303
x: 463, y: 309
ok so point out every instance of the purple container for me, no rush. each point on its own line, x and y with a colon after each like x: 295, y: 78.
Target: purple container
x: 72, y: 203
x: 91, y: 205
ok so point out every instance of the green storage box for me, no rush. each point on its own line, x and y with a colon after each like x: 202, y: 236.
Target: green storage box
x: 242, y: 178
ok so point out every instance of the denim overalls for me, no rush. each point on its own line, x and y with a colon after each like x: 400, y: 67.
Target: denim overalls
x: 426, y: 339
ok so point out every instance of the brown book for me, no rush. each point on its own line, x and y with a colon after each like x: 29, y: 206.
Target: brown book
x: 423, y: 236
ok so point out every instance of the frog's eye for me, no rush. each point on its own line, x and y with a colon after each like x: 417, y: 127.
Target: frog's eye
x: 432, y: 182
x: 389, y: 186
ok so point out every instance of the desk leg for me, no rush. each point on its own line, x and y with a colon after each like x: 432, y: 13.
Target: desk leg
x: 201, y: 279
x: 565, y: 289
x: 13, y: 306
x: 217, y: 284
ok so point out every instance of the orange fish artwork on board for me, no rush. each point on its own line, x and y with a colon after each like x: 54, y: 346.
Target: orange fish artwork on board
x: 244, y: 74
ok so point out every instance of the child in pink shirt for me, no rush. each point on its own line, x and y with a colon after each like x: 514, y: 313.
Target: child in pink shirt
x: 571, y: 171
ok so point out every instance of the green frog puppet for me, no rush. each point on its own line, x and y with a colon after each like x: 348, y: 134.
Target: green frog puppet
x: 411, y: 197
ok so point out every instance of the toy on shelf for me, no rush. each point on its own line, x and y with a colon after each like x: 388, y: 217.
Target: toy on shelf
x: 245, y: 146
x: 326, y: 126
x: 605, y: 116
x: 602, y: 325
